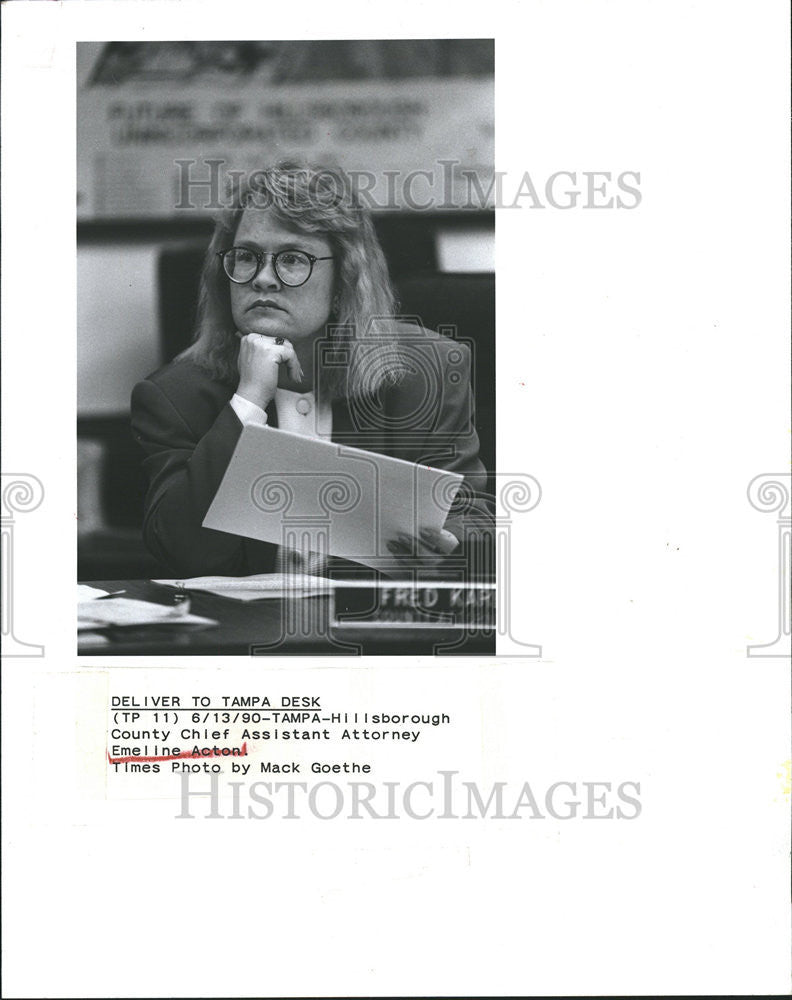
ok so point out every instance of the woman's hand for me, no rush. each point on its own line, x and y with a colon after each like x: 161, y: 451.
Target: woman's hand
x: 260, y: 358
x: 426, y: 552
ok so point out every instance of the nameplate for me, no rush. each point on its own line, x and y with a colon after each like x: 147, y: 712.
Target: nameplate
x: 425, y: 604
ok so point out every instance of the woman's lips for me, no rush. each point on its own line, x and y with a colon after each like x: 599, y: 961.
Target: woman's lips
x: 265, y: 304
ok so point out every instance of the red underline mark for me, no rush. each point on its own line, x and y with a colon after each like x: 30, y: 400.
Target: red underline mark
x: 178, y: 756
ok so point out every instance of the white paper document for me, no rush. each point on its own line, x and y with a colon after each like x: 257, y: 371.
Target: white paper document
x: 86, y: 593
x: 315, y: 495
x: 256, y: 587
x: 124, y: 611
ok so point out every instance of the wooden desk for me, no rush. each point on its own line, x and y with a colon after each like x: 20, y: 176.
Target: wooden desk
x: 270, y: 628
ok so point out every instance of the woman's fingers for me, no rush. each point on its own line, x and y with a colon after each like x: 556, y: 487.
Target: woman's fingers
x: 439, y: 541
x: 426, y: 552
x: 294, y: 367
x: 281, y: 350
x: 428, y: 542
x: 260, y: 358
x: 412, y: 546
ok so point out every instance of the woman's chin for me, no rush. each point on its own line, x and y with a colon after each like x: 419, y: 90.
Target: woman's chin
x: 267, y: 328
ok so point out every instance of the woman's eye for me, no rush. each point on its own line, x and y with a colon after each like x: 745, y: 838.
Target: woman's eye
x: 291, y: 257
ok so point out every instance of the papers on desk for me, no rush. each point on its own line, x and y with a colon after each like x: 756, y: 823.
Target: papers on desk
x: 124, y: 611
x: 256, y: 587
x: 312, y: 495
x: 86, y: 593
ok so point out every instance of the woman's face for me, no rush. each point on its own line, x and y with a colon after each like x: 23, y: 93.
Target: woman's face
x: 265, y: 305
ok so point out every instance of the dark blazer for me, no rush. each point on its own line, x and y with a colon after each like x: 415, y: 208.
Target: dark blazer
x: 184, y: 423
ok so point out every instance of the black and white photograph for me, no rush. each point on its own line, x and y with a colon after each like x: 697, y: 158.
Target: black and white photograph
x: 291, y: 237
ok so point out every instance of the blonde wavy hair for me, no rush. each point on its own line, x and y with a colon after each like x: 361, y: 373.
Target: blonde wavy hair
x: 320, y: 200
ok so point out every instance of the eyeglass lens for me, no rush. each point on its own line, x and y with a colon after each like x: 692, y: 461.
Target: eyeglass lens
x: 291, y: 266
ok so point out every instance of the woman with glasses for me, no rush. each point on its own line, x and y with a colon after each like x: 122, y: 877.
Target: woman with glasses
x: 295, y: 265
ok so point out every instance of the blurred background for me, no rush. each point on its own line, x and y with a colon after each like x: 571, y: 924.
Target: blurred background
x: 159, y: 125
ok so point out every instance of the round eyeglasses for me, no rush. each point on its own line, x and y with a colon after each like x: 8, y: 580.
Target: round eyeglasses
x: 293, y: 267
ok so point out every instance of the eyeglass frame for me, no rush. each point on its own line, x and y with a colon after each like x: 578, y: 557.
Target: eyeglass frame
x: 261, y: 257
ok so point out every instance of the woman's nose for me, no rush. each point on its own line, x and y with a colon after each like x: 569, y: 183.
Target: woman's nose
x: 267, y: 276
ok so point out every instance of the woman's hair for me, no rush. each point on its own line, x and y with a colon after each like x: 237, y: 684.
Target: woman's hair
x: 320, y: 200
